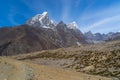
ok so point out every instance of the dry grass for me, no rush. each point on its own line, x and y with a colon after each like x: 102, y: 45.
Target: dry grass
x: 17, y: 70
x: 104, y: 58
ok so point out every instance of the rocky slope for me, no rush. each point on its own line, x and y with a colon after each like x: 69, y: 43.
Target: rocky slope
x: 98, y: 37
x: 39, y: 33
x: 25, y: 39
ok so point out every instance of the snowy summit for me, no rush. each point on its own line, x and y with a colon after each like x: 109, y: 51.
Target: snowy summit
x: 72, y: 25
x: 41, y: 20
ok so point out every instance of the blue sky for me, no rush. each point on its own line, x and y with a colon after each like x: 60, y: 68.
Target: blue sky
x: 95, y: 15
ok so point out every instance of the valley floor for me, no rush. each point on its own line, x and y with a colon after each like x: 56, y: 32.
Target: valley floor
x: 85, y: 62
x: 11, y: 69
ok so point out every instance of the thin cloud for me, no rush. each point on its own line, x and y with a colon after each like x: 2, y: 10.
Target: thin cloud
x: 34, y: 6
x: 107, y: 30
x: 104, y: 21
x: 11, y: 19
x: 77, y: 2
x: 66, y: 7
x: 88, y: 14
x: 14, y: 16
x: 13, y: 11
x: 95, y: 20
x: 104, y: 25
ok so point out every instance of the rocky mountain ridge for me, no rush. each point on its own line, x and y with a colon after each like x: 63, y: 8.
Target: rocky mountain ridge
x: 42, y: 33
x: 98, y: 37
x: 39, y: 33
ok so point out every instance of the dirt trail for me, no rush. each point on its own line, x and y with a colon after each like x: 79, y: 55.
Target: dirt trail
x: 11, y: 69
x: 14, y: 70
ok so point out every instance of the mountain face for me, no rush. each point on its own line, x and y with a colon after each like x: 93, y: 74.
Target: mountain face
x: 70, y: 36
x: 98, y: 37
x: 89, y: 37
x: 23, y: 39
x: 41, y: 20
x: 39, y: 33
x: 113, y: 36
x: 72, y: 25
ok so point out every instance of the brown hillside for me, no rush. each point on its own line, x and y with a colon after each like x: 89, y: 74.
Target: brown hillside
x: 11, y: 69
x: 99, y: 59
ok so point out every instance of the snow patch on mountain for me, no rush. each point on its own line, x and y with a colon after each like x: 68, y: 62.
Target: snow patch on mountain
x: 41, y: 20
x: 73, y: 25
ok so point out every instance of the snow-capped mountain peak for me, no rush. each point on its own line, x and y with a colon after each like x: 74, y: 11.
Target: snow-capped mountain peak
x: 45, y: 13
x: 72, y: 25
x: 43, y: 16
x: 41, y: 20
